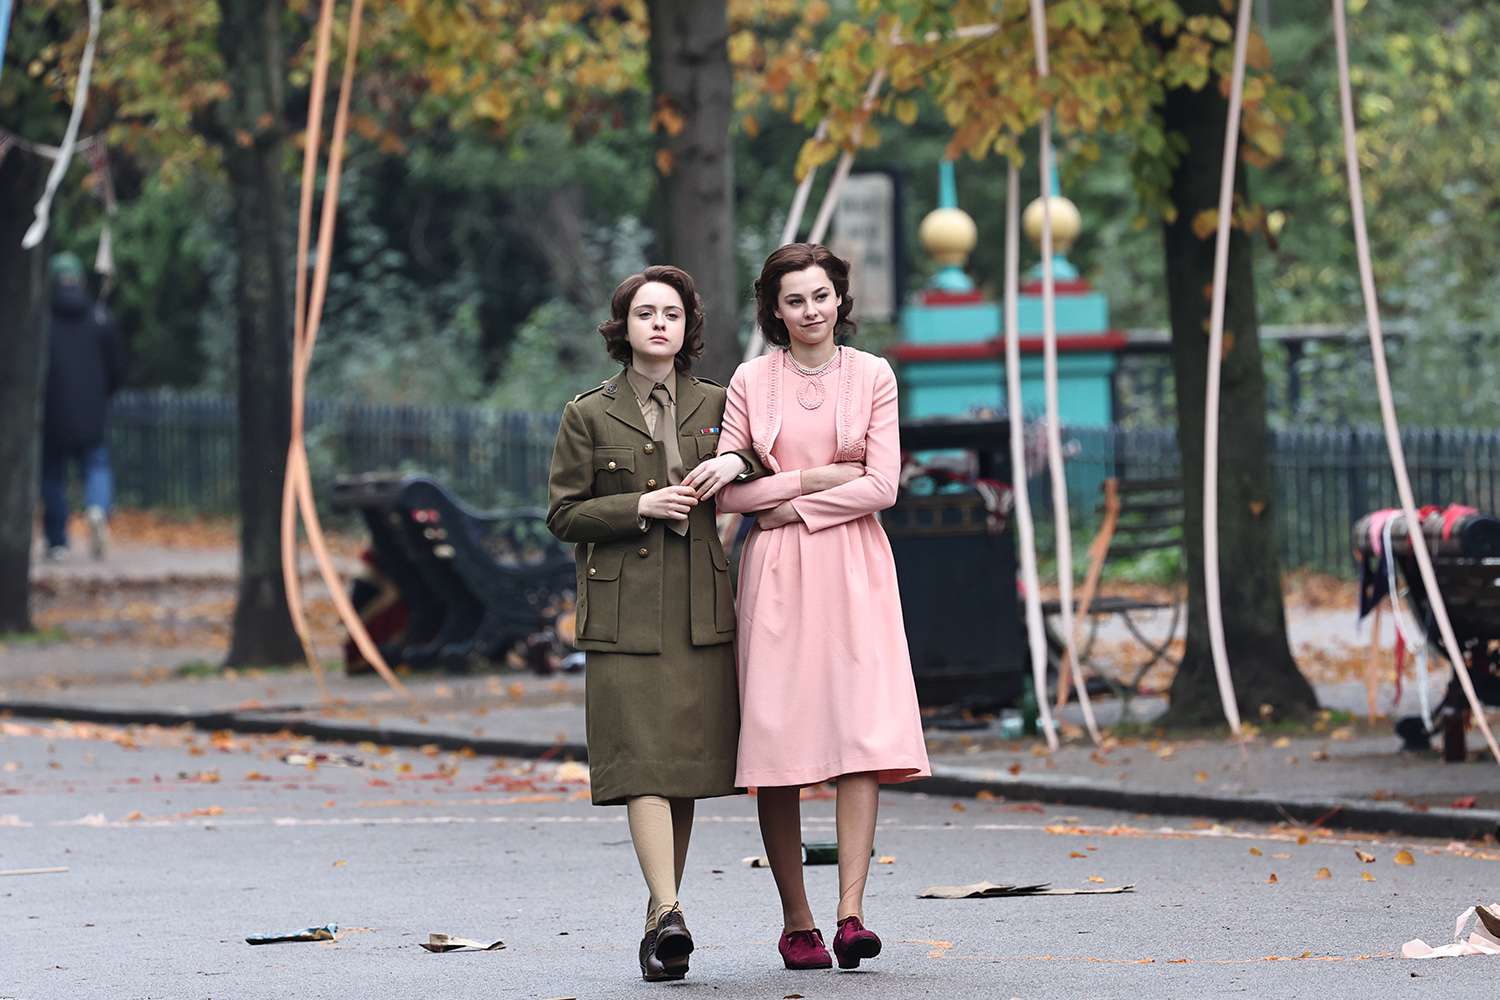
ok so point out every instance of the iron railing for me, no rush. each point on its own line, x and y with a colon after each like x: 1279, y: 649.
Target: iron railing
x: 178, y: 451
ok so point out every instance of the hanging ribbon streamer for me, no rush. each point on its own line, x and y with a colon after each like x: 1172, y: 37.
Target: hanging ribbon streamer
x: 804, y: 190
x: 1054, y: 422
x: 1383, y: 385
x: 1215, y: 363
x: 104, y: 187
x: 757, y: 344
x: 38, y: 230
x: 1035, y: 636
x: 308, y: 315
x: 1408, y: 633
x: 290, y: 489
x: 9, y: 140
x: 846, y: 162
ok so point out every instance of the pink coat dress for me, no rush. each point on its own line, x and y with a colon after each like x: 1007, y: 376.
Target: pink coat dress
x: 825, y: 677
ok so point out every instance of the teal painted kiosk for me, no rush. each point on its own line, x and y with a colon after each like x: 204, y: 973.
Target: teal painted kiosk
x: 952, y: 352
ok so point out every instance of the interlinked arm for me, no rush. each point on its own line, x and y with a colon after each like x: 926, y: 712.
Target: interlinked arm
x: 876, y: 489
x: 759, y: 494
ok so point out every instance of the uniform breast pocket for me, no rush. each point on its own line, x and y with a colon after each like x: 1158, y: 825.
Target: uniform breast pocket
x: 614, y: 470
x: 699, y: 448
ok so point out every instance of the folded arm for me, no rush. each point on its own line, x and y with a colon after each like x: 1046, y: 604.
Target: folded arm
x: 876, y: 489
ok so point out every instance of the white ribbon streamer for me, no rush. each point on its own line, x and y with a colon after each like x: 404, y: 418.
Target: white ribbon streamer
x: 1383, y: 383
x: 1054, y: 421
x: 1415, y: 639
x: 1035, y: 637
x: 38, y: 229
x: 1215, y: 363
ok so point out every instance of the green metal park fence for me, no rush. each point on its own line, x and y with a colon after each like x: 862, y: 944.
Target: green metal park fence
x: 1323, y: 479
x: 178, y: 451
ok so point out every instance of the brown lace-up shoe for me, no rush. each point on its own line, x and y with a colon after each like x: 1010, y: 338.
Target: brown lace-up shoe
x: 652, y: 969
x: 673, y: 942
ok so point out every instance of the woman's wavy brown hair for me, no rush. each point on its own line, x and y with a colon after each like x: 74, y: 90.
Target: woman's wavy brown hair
x: 613, y: 329
x: 798, y: 257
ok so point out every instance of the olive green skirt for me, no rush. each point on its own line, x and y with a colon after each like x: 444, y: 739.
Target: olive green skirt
x: 664, y: 723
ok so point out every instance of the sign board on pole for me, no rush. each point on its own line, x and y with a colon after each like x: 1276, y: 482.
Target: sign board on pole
x: 866, y: 233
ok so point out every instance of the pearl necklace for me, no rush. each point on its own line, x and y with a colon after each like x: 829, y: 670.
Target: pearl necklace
x: 812, y: 393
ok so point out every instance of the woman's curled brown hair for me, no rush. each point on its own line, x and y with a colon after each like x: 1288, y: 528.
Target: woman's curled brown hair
x: 799, y: 257
x: 613, y: 330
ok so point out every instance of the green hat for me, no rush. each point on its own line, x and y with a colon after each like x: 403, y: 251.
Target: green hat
x: 66, y: 267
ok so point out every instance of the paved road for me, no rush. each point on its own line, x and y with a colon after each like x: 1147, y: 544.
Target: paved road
x: 178, y: 845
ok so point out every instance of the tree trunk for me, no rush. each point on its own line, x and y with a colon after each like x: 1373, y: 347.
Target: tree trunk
x: 23, y: 289
x: 692, y: 91
x: 1254, y: 618
x: 253, y: 140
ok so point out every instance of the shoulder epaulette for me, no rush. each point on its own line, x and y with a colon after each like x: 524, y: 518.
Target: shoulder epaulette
x: 701, y: 378
x: 608, y: 387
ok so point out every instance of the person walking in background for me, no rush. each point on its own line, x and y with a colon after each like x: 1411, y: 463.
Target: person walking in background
x: 85, y: 367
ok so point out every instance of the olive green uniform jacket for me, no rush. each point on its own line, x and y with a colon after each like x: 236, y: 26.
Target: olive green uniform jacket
x: 655, y: 609
x: 603, y: 461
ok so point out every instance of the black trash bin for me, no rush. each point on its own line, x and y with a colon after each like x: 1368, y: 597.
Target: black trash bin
x: 956, y: 562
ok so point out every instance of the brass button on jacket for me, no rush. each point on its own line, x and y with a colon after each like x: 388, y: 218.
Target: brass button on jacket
x: 650, y: 448
x: 651, y: 484
x: 643, y: 553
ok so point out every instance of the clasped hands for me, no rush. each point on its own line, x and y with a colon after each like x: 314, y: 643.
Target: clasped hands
x: 674, y: 503
x: 814, y: 480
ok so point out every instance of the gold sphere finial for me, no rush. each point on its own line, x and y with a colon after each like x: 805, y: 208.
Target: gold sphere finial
x: 1066, y: 223
x: 948, y: 235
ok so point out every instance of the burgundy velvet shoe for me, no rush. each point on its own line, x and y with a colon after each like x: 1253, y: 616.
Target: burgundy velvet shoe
x: 853, y: 943
x: 804, y: 950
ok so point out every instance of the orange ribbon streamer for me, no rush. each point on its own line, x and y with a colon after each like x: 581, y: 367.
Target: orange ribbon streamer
x: 297, y: 494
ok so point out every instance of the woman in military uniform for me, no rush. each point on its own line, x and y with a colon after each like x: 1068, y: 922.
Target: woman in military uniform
x: 633, y: 477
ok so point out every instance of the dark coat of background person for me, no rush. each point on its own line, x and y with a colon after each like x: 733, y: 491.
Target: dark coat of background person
x: 85, y: 367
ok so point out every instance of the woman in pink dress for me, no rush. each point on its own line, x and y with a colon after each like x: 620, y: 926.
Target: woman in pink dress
x: 826, y: 689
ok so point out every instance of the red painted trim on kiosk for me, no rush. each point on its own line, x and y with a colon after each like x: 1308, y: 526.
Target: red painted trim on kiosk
x: 995, y: 347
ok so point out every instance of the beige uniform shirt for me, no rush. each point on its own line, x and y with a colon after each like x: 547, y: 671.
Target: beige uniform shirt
x: 661, y: 418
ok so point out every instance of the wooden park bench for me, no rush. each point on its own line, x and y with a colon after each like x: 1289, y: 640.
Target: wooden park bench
x: 1139, y: 517
x: 475, y: 583
x: 1465, y: 550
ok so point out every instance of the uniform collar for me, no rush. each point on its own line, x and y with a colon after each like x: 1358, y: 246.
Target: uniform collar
x: 642, y: 384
